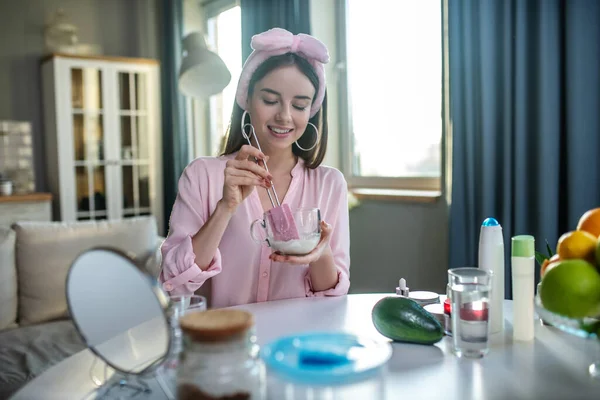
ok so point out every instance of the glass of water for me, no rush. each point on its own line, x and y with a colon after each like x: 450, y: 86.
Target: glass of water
x: 187, y: 303
x: 470, y: 290
x: 180, y: 306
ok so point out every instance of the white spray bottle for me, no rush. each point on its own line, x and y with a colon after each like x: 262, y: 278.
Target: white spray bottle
x: 491, y: 257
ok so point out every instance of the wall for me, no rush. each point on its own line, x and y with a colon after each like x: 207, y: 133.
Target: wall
x: 389, y: 240
x: 193, y: 17
x: 122, y: 28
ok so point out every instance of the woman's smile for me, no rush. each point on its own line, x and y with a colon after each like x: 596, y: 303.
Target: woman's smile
x: 280, y: 132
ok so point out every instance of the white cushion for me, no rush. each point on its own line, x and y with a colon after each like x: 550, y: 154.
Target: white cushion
x: 8, y: 279
x: 153, y: 262
x: 46, y: 250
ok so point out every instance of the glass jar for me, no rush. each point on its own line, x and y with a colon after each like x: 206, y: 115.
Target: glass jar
x: 220, y: 357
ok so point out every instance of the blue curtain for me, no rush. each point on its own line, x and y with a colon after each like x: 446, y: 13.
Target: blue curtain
x: 525, y: 113
x: 261, y: 15
x: 174, y: 138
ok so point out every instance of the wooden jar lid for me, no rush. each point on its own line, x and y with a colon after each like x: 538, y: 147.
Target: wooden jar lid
x: 216, y: 325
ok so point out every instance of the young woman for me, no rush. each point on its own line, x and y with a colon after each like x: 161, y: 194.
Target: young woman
x: 281, y: 96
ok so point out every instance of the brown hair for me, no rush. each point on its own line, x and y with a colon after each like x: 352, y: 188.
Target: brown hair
x: 313, y: 158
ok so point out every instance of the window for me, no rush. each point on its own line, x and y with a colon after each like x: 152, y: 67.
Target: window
x: 393, y: 94
x: 224, y: 36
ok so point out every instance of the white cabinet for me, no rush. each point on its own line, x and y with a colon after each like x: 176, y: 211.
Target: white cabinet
x: 102, y: 137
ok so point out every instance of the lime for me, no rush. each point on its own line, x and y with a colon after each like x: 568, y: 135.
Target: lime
x: 598, y: 253
x: 572, y: 289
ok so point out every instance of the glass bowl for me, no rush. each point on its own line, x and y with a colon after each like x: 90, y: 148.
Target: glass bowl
x: 582, y: 327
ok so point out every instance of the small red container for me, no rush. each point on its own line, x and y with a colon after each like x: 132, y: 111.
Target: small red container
x: 448, y: 317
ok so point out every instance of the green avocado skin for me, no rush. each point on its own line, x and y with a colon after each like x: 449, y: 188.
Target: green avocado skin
x: 403, y: 320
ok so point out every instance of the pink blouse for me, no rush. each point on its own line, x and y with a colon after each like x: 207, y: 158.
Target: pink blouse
x: 241, y: 270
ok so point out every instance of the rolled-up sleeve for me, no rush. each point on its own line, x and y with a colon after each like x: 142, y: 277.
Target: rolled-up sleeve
x: 179, y: 272
x: 339, y: 242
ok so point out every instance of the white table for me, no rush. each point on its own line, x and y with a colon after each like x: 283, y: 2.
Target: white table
x: 553, y: 366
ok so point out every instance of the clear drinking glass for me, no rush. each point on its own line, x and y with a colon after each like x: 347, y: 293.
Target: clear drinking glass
x: 181, y: 305
x: 470, y: 290
x: 186, y: 303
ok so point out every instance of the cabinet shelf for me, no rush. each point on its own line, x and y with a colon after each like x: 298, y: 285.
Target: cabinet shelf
x: 83, y: 111
x: 97, y: 163
x: 88, y: 214
x: 133, y: 113
x: 136, y: 211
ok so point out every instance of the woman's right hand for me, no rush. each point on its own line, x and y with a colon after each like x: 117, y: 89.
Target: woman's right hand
x: 242, y: 174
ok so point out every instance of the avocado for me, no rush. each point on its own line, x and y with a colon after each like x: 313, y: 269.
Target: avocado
x: 402, y: 319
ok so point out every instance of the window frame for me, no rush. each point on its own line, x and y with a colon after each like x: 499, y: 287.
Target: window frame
x: 211, y: 9
x: 418, y: 188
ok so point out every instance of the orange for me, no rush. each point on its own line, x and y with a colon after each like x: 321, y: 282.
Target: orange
x: 590, y: 222
x: 544, y: 266
x: 548, y: 264
x: 577, y: 244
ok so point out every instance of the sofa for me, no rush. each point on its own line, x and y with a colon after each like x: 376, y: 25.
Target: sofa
x: 35, y: 329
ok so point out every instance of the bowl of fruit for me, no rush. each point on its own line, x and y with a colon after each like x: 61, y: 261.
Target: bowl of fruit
x: 568, y: 295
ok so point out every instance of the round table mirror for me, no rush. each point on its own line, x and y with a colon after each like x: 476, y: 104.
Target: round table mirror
x: 114, y: 303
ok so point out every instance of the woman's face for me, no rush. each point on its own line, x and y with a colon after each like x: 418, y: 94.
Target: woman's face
x: 280, y: 107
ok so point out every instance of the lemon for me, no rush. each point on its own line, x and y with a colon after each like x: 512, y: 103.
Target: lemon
x: 576, y: 244
x: 572, y: 289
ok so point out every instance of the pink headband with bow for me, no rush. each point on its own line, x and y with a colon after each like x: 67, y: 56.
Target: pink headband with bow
x: 278, y: 41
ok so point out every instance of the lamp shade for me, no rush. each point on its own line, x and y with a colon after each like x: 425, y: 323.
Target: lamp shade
x: 202, y: 72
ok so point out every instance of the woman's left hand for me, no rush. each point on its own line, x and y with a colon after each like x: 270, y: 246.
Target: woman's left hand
x: 314, y: 255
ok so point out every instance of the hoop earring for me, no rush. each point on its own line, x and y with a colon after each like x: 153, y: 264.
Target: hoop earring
x: 243, y: 126
x: 252, y: 131
x: 316, y: 139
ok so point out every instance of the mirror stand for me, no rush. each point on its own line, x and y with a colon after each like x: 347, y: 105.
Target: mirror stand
x: 123, y: 386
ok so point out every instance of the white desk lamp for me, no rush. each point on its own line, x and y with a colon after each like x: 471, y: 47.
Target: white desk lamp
x: 202, y: 73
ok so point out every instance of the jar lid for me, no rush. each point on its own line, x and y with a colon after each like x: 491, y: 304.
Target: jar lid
x: 424, y: 297
x: 216, y: 325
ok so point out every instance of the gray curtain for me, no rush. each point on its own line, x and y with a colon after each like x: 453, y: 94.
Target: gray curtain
x: 261, y: 15
x: 525, y: 112
x: 174, y: 138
